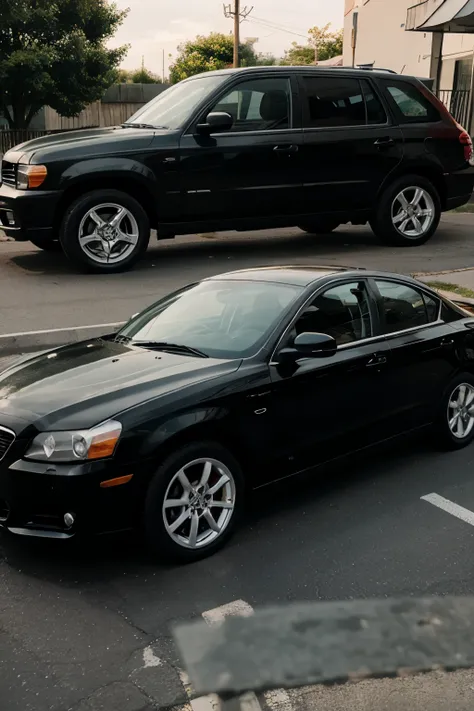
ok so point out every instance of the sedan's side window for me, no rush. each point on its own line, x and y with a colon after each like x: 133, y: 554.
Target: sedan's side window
x: 258, y: 104
x: 405, y: 307
x: 342, y: 312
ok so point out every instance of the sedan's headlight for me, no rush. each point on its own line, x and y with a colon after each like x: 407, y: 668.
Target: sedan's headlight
x: 30, y: 176
x: 98, y: 443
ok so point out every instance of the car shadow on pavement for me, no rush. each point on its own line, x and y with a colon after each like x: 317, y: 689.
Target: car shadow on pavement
x: 262, y: 247
x: 96, y: 561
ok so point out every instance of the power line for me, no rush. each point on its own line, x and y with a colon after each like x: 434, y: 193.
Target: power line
x: 271, y: 26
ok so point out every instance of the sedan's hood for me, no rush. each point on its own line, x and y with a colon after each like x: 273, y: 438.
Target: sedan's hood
x: 85, y: 142
x: 80, y: 385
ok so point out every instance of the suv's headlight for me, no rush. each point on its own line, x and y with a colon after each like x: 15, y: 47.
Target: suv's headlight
x: 30, y: 176
x: 97, y: 443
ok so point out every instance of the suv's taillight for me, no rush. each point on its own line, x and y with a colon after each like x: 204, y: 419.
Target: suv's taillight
x: 466, y: 141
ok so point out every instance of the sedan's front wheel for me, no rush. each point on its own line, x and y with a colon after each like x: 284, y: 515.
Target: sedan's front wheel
x: 455, y: 427
x: 193, y: 502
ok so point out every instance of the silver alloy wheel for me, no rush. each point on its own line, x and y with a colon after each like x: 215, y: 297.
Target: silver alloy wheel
x: 461, y: 411
x: 108, y: 233
x: 199, y: 503
x: 413, y: 212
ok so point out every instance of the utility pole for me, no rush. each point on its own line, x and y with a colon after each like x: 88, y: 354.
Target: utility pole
x: 238, y: 15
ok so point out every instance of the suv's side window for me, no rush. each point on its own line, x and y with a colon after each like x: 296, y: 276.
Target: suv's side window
x: 404, y: 307
x: 342, y: 312
x: 258, y: 104
x: 411, y: 105
x: 340, y: 101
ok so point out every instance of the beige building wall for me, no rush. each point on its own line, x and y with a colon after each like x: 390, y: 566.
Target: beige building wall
x: 382, y: 37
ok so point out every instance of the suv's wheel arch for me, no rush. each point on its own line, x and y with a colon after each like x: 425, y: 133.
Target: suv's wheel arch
x: 431, y: 172
x: 137, y: 189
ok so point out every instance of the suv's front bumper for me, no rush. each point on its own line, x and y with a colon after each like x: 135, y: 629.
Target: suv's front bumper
x: 26, y: 214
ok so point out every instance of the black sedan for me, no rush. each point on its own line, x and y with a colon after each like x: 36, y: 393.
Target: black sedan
x: 227, y: 384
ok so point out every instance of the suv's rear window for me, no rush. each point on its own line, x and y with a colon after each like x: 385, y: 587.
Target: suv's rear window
x: 410, y: 104
x: 340, y: 101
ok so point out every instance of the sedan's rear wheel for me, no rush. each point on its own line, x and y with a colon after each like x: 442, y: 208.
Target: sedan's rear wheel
x: 105, y: 231
x: 193, y: 502
x: 456, y: 419
x: 319, y: 226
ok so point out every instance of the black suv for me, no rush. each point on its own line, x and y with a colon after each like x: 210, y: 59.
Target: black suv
x: 244, y: 149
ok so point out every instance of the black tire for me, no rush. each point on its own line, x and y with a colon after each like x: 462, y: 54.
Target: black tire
x: 382, y: 222
x: 319, y: 226
x: 69, y: 233
x: 47, y: 244
x: 157, y: 535
x: 443, y: 433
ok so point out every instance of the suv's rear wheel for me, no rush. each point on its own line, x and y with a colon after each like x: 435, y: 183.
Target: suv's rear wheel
x: 408, y: 213
x: 105, y: 231
x: 319, y: 226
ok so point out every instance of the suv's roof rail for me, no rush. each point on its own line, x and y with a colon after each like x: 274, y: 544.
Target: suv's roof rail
x: 368, y: 68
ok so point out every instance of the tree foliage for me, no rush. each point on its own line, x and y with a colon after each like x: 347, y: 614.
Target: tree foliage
x: 321, y: 43
x: 53, y: 52
x: 211, y: 52
x: 138, y: 76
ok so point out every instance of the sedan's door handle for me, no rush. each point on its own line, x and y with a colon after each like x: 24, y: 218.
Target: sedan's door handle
x: 447, y: 342
x: 384, y: 142
x: 286, y: 149
x: 376, y: 361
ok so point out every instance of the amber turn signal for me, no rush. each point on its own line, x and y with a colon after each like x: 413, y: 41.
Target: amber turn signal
x: 103, y: 445
x: 31, y: 176
x: 116, y: 482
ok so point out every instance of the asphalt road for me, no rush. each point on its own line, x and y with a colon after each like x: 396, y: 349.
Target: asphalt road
x: 87, y: 627
x: 41, y: 291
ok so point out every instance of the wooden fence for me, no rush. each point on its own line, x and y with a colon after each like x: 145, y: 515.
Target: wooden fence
x: 11, y: 138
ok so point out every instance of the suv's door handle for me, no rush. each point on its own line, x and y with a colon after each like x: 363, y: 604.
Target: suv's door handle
x: 286, y: 149
x: 384, y: 142
x: 447, y: 342
x: 376, y: 361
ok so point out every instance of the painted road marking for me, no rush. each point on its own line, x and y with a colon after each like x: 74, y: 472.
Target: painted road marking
x: 237, y: 608
x: 450, y: 507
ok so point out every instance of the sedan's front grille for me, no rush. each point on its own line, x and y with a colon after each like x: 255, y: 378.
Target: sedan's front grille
x: 9, y: 173
x: 7, y: 437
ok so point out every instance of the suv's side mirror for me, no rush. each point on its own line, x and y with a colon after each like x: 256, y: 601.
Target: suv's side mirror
x: 309, y: 345
x: 216, y: 121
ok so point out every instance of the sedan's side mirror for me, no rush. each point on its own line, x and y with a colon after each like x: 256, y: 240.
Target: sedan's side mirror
x: 309, y: 345
x: 215, y: 121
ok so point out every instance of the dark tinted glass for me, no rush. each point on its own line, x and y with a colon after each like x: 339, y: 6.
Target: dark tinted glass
x: 412, y: 106
x: 432, y: 308
x: 258, y: 104
x: 333, y: 101
x: 403, y: 307
x: 375, y: 111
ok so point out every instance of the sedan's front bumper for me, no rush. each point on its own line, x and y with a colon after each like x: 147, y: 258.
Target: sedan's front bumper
x: 34, y: 498
x: 26, y: 214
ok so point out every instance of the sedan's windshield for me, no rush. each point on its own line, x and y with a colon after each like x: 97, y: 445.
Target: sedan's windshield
x: 221, y: 319
x: 174, y: 106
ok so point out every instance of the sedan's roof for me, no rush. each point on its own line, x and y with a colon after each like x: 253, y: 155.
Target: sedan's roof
x: 297, y: 275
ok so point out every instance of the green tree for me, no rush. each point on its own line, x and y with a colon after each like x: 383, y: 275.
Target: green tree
x: 55, y: 54
x: 322, y: 43
x: 214, y: 51
x: 138, y: 76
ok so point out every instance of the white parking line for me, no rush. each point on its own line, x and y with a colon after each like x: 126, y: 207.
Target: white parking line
x: 237, y: 608
x: 450, y: 507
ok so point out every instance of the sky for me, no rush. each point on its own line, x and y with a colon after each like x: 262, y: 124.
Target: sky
x: 156, y: 25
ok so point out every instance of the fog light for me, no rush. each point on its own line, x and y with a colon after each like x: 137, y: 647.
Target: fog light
x: 69, y: 519
x: 10, y: 218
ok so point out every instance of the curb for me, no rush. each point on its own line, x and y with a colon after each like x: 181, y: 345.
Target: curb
x: 15, y: 343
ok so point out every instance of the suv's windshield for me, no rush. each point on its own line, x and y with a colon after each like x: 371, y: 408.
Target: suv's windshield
x: 174, y: 106
x: 221, y: 319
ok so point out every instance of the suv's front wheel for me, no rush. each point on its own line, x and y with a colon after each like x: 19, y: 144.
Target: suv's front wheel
x: 408, y: 212
x: 105, y: 231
